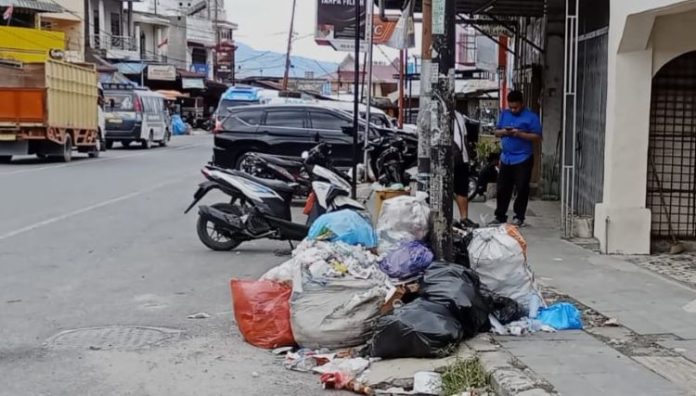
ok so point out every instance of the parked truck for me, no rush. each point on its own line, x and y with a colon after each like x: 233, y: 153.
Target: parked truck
x: 48, y: 109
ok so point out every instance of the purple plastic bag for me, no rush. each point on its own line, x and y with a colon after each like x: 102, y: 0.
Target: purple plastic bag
x: 407, y: 260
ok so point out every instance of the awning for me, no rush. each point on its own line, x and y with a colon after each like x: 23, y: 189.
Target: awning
x: 460, y: 87
x: 129, y: 67
x: 63, y: 16
x: 171, y: 94
x: 41, y: 6
x: 150, y: 19
x: 503, y: 8
x: 192, y: 83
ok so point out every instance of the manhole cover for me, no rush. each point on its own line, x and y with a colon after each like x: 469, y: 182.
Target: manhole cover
x: 117, y: 337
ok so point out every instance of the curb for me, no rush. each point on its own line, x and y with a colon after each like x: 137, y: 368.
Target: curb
x: 509, y: 377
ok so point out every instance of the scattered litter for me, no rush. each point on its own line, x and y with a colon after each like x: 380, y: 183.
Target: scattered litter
x: 394, y: 391
x: 343, y: 381
x: 402, y: 219
x: 519, y: 327
x: 255, y: 374
x: 200, y: 315
x: 282, y: 350
x: 427, y: 383
x: 305, y: 360
x: 557, y: 259
x: 407, y: 260
x: 611, y: 322
x: 354, y: 367
x: 262, y: 312
x: 94, y: 348
x: 561, y: 316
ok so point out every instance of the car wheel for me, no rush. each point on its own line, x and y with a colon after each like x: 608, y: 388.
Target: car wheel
x: 5, y: 159
x: 244, y: 157
x: 147, y: 144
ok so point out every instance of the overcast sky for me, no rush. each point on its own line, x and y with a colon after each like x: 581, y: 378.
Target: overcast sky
x: 264, y: 25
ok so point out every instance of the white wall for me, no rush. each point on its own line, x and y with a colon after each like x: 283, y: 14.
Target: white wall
x: 643, y: 35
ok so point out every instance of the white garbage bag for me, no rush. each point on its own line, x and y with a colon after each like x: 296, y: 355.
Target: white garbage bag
x: 335, y: 313
x: 499, y: 256
x: 402, y: 219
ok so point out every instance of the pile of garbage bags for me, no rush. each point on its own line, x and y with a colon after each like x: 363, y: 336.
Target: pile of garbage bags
x: 351, y: 286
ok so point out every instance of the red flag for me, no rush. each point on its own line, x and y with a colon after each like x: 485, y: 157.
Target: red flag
x: 8, y: 13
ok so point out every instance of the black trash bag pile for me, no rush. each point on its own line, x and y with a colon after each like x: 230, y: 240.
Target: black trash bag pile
x: 449, y: 309
x: 460, y: 245
x: 504, y: 309
x: 421, y: 329
x: 457, y: 288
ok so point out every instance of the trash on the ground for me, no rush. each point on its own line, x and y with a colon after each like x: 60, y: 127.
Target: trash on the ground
x: 427, y: 383
x: 461, y: 238
x: 407, y: 260
x: 178, y: 125
x: 282, y: 350
x: 255, y: 374
x: 346, y: 226
x: 402, y: 219
x: 200, y: 315
x: 394, y: 391
x: 334, y: 313
x: 499, y: 257
x: 519, y: 327
x: 561, y: 316
x: 305, y: 360
x: 262, y: 312
x: 343, y: 381
x: 353, y: 367
x: 534, y: 304
x: 397, y: 293
x: 420, y: 329
x: 504, y: 309
x: 611, y: 322
x: 457, y: 288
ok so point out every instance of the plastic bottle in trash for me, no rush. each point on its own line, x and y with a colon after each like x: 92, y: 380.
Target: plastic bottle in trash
x: 534, y: 304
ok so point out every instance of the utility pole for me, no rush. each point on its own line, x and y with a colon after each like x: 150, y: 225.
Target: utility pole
x: 442, y: 116
x: 425, y: 99
x: 217, y: 41
x: 287, y: 55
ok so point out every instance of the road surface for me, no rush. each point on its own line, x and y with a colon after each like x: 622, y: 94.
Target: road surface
x: 99, y: 269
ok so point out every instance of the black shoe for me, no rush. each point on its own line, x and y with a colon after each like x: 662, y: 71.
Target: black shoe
x: 467, y: 223
x: 518, y: 223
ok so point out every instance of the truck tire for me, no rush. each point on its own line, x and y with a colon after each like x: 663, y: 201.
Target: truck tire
x: 147, y: 144
x: 5, y: 159
x: 109, y: 144
x: 67, y: 149
x: 166, y: 138
x: 126, y: 143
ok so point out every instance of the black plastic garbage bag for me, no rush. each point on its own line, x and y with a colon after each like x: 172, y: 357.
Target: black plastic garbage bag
x: 504, y: 309
x: 460, y: 245
x: 457, y: 288
x: 421, y: 329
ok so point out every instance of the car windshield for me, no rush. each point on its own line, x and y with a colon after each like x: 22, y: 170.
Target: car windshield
x: 118, y: 101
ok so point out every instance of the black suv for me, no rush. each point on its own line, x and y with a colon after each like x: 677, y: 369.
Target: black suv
x: 285, y: 129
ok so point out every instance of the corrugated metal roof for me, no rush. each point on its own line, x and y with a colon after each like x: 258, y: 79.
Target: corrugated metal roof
x: 41, y: 6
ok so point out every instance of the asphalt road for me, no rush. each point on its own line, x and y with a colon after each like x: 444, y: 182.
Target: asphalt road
x: 102, y: 246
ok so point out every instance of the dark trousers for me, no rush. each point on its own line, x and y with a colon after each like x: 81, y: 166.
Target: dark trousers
x: 512, y: 177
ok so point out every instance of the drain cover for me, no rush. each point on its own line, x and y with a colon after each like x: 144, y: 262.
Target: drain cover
x: 112, y: 337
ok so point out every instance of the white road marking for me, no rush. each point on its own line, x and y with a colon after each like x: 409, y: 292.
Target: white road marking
x: 92, y: 161
x: 68, y: 215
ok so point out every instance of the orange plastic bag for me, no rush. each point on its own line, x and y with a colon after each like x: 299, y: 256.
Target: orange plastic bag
x: 262, y: 312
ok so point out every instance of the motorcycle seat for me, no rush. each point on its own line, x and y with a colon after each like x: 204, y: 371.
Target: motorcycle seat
x: 275, y: 185
x: 281, y: 161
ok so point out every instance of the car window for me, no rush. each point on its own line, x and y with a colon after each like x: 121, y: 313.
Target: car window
x: 285, y: 118
x: 241, y: 119
x: 328, y: 121
x: 118, y: 102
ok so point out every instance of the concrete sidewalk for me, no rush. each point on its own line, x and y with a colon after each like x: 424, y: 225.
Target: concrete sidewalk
x: 651, y: 351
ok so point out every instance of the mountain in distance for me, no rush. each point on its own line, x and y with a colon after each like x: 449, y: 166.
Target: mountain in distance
x: 254, y: 63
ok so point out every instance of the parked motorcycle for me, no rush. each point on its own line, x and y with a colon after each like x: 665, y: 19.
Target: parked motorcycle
x: 481, y: 173
x: 260, y: 208
x: 269, y: 166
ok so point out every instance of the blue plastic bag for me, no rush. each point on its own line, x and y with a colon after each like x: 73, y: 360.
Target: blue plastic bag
x: 178, y: 125
x: 407, y: 260
x: 346, y: 226
x: 561, y: 316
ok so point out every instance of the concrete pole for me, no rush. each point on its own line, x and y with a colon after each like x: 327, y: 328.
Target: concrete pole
x: 424, y: 101
x: 442, y: 113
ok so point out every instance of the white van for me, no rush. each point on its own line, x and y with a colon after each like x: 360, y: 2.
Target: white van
x: 135, y: 115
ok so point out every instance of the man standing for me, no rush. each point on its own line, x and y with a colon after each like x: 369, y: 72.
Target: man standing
x: 519, y: 128
x: 461, y: 169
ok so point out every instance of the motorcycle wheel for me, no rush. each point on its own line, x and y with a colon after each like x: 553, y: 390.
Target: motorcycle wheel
x: 213, y: 238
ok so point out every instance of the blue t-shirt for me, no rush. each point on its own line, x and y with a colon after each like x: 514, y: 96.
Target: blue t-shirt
x: 517, y: 150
